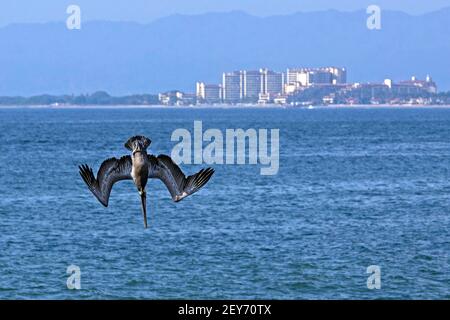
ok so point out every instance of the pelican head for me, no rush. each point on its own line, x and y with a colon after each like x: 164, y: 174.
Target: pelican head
x: 138, y: 144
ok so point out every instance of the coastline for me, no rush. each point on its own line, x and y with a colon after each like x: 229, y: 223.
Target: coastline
x: 226, y: 106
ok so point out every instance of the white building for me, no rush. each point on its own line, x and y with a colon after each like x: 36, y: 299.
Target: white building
x: 272, y: 83
x: 251, y: 85
x: 209, y: 93
x: 232, y: 86
x: 305, y: 77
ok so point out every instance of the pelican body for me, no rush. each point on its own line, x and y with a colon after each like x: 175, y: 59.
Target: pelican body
x: 139, y: 167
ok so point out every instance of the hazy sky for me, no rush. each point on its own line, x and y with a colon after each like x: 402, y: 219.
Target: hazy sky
x: 148, y: 10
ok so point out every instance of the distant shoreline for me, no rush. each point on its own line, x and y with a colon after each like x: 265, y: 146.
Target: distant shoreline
x: 225, y: 106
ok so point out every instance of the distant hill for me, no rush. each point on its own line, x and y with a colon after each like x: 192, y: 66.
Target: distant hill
x: 175, y: 52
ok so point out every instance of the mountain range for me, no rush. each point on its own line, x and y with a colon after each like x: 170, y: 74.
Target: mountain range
x: 176, y: 51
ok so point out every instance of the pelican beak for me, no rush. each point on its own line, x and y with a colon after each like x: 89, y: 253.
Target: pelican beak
x: 144, y: 207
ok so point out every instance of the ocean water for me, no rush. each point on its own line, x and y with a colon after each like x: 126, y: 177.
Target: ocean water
x: 356, y: 187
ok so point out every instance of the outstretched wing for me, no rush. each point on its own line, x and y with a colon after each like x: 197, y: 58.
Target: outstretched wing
x: 180, y: 186
x: 111, y: 171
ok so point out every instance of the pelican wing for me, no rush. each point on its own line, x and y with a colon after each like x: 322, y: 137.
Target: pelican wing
x: 111, y: 171
x: 180, y: 186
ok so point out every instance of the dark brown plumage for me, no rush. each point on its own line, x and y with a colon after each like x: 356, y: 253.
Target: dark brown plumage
x: 139, y: 167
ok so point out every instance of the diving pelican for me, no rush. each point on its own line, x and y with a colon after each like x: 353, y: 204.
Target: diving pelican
x: 139, y: 167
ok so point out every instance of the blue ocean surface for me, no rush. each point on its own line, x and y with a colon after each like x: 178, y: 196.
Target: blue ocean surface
x: 355, y: 188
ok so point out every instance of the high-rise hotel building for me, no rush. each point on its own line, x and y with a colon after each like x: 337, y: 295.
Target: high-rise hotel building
x: 209, y: 93
x: 310, y: 76
x: 250, y: 85
x: 232, y: 86
x: 272, y: 83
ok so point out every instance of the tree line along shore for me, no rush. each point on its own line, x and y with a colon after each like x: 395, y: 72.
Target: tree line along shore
x: 103, y: 98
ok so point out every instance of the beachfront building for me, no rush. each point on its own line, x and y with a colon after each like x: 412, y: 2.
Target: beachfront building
x: 176, y: 98
x: 170, y: 97
x: 232, y: 86
x: 415, y: 86
x: 339, y: 75
x: 252, y: 85
x: 272, y: 86
x: 412, y: 91
x: 305, y: 77
x: 272, y: 83
x: 370, y: 92
x: 208, y: 93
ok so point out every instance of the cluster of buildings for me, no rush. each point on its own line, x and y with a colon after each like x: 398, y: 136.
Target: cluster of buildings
x: 413, y: 91
x: 326, y: 85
